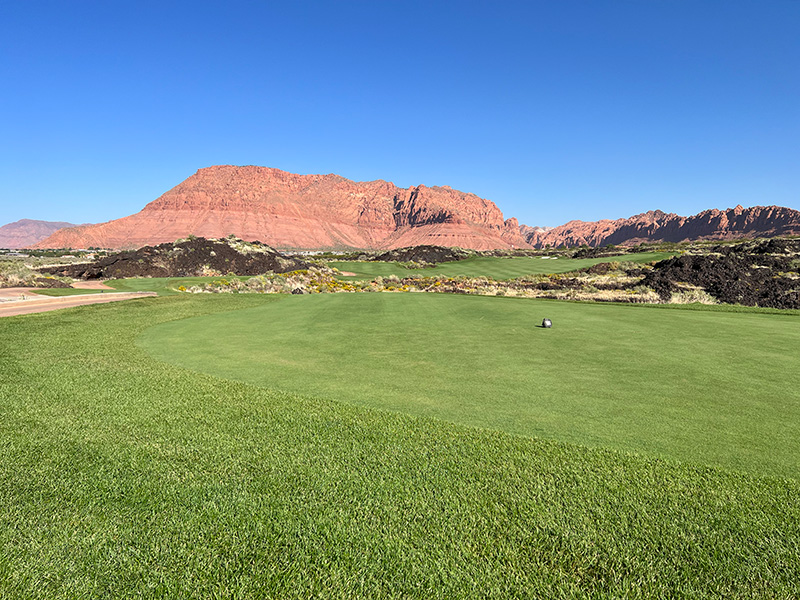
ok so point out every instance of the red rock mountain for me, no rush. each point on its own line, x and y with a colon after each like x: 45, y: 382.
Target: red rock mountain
x: 26, y: 232
x: 303, y: 211
x: 757, y: 221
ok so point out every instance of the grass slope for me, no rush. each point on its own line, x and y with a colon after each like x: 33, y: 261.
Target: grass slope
x: 487, y: 266
x: 707, y: 386
x: 121, y: 476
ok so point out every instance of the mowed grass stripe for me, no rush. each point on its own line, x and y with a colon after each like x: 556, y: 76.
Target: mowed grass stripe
x: 709, y: 387
x: 121, y: 476
x: 487, y: 266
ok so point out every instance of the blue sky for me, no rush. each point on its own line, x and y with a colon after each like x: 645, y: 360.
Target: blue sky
x: 554, y: 110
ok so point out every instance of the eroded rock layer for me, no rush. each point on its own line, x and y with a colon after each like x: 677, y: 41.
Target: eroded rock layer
x: 303, y: 211
x: 654, y: 226
x: 26, y: 232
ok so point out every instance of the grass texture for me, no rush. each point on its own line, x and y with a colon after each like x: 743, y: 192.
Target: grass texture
x: 487, y: 266
x: 705, y: 386
x: 126, y: 477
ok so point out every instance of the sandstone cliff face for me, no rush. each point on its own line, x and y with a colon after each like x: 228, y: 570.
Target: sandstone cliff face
x: 327, y: 211
x: 26, y: 232
x: 303, y: 211
x: 757, y: 221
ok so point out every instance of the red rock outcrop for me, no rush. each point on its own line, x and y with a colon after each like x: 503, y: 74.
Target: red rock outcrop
x: 733, y: 223
x: 26, y: 232
x: 303, y: 211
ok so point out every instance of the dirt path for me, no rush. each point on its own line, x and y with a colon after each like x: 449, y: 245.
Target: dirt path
x: 13, y: 304
x: 91, y: 285
x: 15, y: 293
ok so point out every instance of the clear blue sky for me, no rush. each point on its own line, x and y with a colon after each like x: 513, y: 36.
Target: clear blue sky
x: 555, y: 110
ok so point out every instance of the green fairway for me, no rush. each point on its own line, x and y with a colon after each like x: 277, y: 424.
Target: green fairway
x: 126, y: 477
x: 165, y: 286
x: 708, y: 387
x: 487, y: 266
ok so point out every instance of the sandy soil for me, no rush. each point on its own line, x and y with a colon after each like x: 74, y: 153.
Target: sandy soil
x: 347, y: 273
x: 18, y: 293
x: 15, y: 293
x: 22, y: 301
x: 91, y: 285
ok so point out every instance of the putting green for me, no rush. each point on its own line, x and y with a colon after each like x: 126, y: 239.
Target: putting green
x: 717, y: 387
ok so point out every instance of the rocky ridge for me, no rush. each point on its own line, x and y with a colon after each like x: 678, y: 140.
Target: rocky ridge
x: 330, y: 212
x: 27, y: 232
x: 423, y: 254
x: 184, y: 258
x: 658, y: 226
x: 760, y: 273
x: 303, y: 211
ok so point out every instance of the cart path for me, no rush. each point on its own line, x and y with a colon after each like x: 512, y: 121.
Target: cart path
x: 91, y: 285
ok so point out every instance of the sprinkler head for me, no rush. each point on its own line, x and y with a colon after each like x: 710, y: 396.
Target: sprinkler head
x: 547, y: 323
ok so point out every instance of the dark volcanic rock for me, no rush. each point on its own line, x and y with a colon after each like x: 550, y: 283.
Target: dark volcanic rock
x: 771, y: 246
x: 742, y: 274
x: 188, y: 258
x: 425, y: 253
x: 47, y: 282
x: 598, y: 252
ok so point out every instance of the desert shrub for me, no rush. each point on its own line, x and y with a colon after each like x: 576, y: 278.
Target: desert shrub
x: 414, y: 264
x: 22, y: 273
x: 692, y: 296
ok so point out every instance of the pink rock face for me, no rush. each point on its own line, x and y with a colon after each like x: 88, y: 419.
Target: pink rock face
x: 303, y: 211
x: 738, y: 222
x: 26, y: 232
x: 286, y: 210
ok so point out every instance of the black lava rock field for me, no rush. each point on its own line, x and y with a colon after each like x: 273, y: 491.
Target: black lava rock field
x: 186, y: 258
x: 752, y: 273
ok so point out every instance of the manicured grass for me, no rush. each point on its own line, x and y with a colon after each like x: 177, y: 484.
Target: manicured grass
x: 122, y: 476
x: 496, y: 268
x: 165, y: 286
x: 709, y: 387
